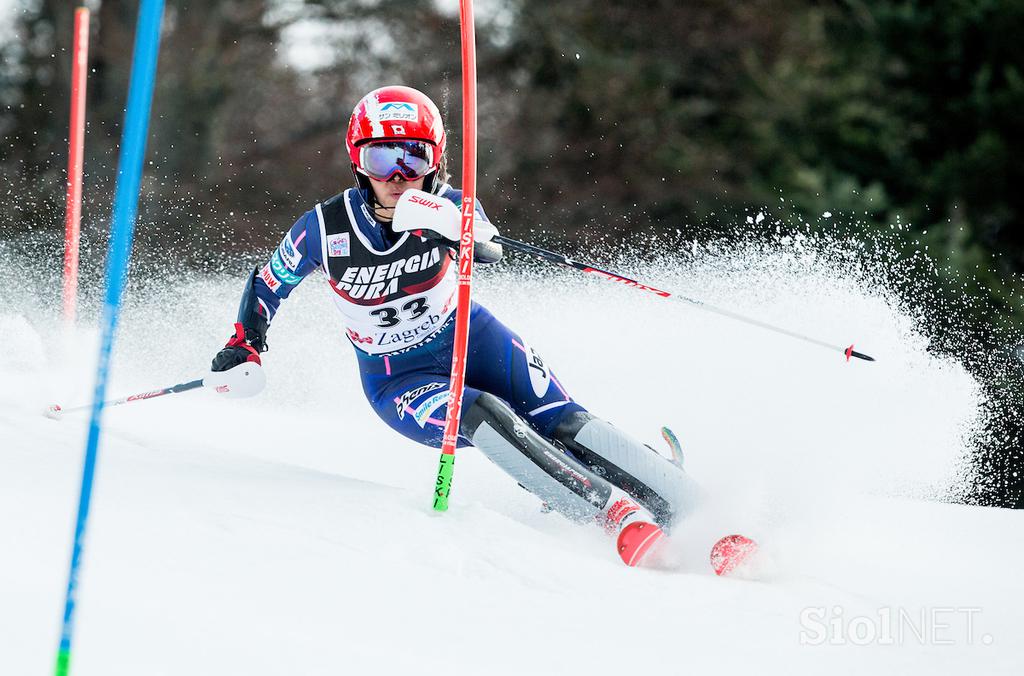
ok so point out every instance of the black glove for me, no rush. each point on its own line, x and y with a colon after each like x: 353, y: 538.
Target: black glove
x: 245, y: 345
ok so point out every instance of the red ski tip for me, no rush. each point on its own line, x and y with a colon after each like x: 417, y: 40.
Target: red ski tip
x: 730, y: 552
x: 636, y: 540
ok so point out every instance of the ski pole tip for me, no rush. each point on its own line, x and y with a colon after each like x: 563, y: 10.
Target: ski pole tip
x: 850, y: 352
x: 54, y: 412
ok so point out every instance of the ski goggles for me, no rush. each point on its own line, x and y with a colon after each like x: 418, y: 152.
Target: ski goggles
x: 409, y: 159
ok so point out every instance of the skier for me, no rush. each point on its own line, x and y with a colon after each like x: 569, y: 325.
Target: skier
x: 396, y: 293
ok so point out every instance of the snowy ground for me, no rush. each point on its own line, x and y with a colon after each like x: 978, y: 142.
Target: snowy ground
x: 292, y: 533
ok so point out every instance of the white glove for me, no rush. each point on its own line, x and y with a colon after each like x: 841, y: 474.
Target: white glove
x: 419, y: 210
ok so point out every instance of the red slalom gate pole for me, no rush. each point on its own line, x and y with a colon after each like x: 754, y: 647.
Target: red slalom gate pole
x: 76, y: 144
x: 458, y: 377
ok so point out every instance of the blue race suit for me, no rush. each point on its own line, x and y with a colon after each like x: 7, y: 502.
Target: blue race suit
x: 397, y: 297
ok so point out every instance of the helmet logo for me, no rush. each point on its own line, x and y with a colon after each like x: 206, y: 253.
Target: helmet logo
x: 390, y: 114
x: 400, y: 111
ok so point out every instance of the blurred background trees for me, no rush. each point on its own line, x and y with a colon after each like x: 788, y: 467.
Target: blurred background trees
x: 597, y: 120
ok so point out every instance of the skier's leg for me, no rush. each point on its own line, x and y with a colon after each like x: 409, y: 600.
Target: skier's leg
x: 661, y: 485
x: 416, y: 405
x: 502, y: 363
x: 413, y: 400
x: 409, y: 392
x: 505, y: 365
x: 555, y: 477
x: 533, y: 461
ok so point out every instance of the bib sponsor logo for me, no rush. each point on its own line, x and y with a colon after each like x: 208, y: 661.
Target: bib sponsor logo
x: 289, y: 255
x: 281, y: 271
x: 272, y: 282
x: 540, y: 376
x: 398, y: 110
x: 411, y: 335
x: 396, y: 342
x: 378, y: 281
x: 356, y: 338
x: 338, y: 245
x: 408, y: 397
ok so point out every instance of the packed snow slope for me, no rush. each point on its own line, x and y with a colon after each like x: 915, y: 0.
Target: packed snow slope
x: 292, y: 533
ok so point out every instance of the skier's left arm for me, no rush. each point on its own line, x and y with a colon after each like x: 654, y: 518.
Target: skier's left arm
x: 296, y: 256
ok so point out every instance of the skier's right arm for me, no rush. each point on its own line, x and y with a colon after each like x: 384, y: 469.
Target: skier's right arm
x: 296, y: 256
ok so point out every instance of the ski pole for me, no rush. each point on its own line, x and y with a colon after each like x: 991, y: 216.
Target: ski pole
x: 244, y: 380
x: 559, y: 259
x: 55, y: 411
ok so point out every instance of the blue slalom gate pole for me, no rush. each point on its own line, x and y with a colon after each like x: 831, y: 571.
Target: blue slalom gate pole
x: 122, y: 230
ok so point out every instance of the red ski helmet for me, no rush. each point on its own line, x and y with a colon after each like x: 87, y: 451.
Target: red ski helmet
x: 395, y: 113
